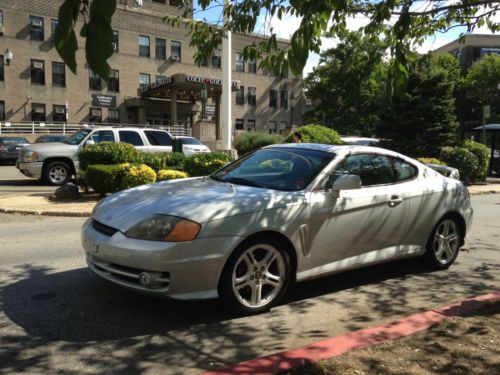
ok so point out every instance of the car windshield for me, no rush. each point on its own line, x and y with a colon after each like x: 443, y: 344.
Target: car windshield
x: 278, y: 169
x: 77, y: 137
x: 13, y: 140
x: 190, y: 141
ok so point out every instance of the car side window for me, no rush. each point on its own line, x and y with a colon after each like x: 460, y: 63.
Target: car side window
x: 404, y: 171
x: 372, y: 169
x: 157, y: 138
x: 102, y: 136
x: 130, y: 136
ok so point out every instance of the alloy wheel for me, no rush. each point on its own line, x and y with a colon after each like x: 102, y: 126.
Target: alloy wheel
x: 446, y: 241
x: 58, y: 174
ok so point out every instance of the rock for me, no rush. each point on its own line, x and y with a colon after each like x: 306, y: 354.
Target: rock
x: 67, y: 191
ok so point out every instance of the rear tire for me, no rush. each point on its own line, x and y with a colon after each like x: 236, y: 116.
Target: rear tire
x: 444, y: 244
x: 255, y: 276
x: 57, y: 173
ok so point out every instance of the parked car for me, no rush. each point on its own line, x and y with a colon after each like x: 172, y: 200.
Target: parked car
x: 191, y: 145
x: 10, y: 148
x: 359, y: 141
x: 445, y: 170
x: 284, y: 213
x: 56, y: 163
x: 47, y: 138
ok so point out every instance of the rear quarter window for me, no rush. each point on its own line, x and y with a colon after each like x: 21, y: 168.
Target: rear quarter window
x: 130, y: 136
x: 404, y: 171
x: 158, y: 138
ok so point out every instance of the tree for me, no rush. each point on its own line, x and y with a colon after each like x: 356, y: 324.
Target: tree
x: 404, y: 24
x: 347, y: 88
x: 423, y: 119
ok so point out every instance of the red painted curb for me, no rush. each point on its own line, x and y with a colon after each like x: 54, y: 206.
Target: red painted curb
x: 355, y: 340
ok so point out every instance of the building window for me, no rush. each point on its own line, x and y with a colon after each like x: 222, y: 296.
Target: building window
x: 144, y: 79
x: 36, y: 28
x: 272, y: 127
x: 283, y: 125
x: 175, y: 3
x: 2, y: 110
x: 53, y: 25
x: 252, y: 96
x: 216, y: 59
x: 114, y: 81
x: 37, y: 112
x: 95, y: 82
x: 273, y: 98
x: 160, y: 78
x: 284, y: 99
x: 113, y: 116
x: 37, y: 72
x: 144, y: 46
x: 240, y: 64
x: 116, y: 41
x: 59, y: 113
x: 252, y: 66
x: 160, y: 1
x: 161, y: 49
x: 239, y: 124
x: 1, y: 20
x: 58, y: 74
x: 176, y: 50
x: 2, y: 74
x: 95, y: 115
x: 251, y: 125
x: 240, y: 95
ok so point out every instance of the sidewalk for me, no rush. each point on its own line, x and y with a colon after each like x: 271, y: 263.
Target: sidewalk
x: 41, y: 204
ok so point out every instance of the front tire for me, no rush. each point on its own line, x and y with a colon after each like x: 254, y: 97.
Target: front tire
x: 444, y: 244
x: 57, y: 173
x: 256, y: 276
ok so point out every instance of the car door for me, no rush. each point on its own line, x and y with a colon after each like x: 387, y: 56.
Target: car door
x: 97, y: 136
x: 134, y: 138
x: 159, y: 141
x: 362, y: 225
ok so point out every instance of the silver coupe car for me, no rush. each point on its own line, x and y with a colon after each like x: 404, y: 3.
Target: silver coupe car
x: 282, y: 214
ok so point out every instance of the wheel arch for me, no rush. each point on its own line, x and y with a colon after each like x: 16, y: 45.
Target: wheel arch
x: 49, y: 160
x: 462, y: 226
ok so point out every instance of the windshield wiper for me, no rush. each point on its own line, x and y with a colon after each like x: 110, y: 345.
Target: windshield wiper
x: 243, y: 181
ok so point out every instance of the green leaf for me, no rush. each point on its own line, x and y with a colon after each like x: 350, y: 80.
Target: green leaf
x: 66, y: 42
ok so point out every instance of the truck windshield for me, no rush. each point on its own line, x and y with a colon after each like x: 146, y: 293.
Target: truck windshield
x: 77, y: 137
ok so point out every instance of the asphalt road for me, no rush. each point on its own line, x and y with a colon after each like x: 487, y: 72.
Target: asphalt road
x: 56, y: 317
x: 13, y: 182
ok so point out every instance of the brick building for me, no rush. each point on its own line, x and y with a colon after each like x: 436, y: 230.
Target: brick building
x: 36, y: 86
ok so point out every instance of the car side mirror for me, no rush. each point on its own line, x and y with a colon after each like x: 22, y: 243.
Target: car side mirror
x: 90, y: 142
x: 345, y: 182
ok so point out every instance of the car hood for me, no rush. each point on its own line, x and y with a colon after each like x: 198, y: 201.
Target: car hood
x: 50, y: 148
x: 197, y: 199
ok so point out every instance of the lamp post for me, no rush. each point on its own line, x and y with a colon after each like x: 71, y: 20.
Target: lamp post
x: 292, y: 107
x: 8, y: 56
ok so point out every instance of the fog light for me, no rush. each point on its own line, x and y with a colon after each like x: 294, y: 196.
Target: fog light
x: 145, y: 278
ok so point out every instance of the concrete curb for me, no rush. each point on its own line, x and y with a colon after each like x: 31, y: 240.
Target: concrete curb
x: 360, y: 339
x: 45, y: 213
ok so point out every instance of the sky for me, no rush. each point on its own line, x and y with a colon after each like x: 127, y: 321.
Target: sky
x: 285, y: 28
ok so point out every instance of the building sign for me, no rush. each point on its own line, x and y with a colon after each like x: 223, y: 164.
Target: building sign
x: 106, y: 101
x: 160, y: 82
x: 210, y: 110
x: 208, y: 81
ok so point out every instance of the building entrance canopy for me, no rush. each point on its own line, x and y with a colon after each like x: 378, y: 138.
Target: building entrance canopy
x: 187, y: 87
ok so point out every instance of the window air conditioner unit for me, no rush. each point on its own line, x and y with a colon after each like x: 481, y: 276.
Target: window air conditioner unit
x: 38, y: 110
x: 96, y: 113
x: 115, y: 46
x: 217, y: 53
x: 37, y: 23
x: 114, y: 74
x: 176, y: 58
x: 138, y: 3
x: 38, y: 65
x: 60, y: 110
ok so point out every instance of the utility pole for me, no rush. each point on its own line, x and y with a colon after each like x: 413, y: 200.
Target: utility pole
x: 226, y: 88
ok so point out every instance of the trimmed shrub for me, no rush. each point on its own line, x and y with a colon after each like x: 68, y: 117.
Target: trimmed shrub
x: 431, y: 161
x: 483, y: 155
x: 204, y: 164
x: 250, y: 141
x: 170, y: 174
x: 317, y: 134
x: 107, y: 153
x: 163, y: 160
x: 81, y: 179
x: 112, y: 178
x: 462, y: 159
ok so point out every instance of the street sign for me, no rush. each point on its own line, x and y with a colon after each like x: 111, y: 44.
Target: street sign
x: 486, y: 111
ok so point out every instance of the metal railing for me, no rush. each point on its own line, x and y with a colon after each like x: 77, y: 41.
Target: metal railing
x: 33, y: 127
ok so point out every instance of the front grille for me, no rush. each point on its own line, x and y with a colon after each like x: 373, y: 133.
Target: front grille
x: 129, y: 276
x: 105, y: 229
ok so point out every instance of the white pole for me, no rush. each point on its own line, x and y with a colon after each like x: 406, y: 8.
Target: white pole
x: 226, y: 89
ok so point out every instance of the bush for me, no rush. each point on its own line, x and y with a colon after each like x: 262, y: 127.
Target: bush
x: 112, y: 178
x: 483, y: 155
x: 107, y: 153
x: 462, y: 159
x: 317, y: 134
x: 170, y: 174
x: 431, y: 161
x: 163, y: 160
x: 250, y: 141
x: 205, y: 164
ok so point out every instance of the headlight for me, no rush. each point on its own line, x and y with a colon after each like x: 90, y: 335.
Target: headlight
x: 30, y: 156
x: 165, y: 228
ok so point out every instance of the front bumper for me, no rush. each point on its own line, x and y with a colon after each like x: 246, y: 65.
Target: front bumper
x: 180, y: 270
x: 33, y: 170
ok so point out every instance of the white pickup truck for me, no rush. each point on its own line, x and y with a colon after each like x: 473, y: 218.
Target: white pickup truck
x: 57, y: 162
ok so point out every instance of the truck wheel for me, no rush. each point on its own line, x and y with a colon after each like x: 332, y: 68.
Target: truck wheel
x: 57, y: 173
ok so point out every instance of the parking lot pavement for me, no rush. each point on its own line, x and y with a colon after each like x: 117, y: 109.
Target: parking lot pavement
x: 13, y: 182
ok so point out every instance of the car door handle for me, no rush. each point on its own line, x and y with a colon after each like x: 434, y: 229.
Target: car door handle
x: 395, y: 201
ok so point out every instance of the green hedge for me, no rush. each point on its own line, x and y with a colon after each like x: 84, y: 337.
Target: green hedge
x: 465, y: 161
x: 163, y: 160
x: 251, y: 141
x: 205, y: 164
x: 112, y: 178
x: 108, y: 153
x: 483, y: 156
x: 432, y: 161
x: 170, y: 174
x: 316, y: 134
